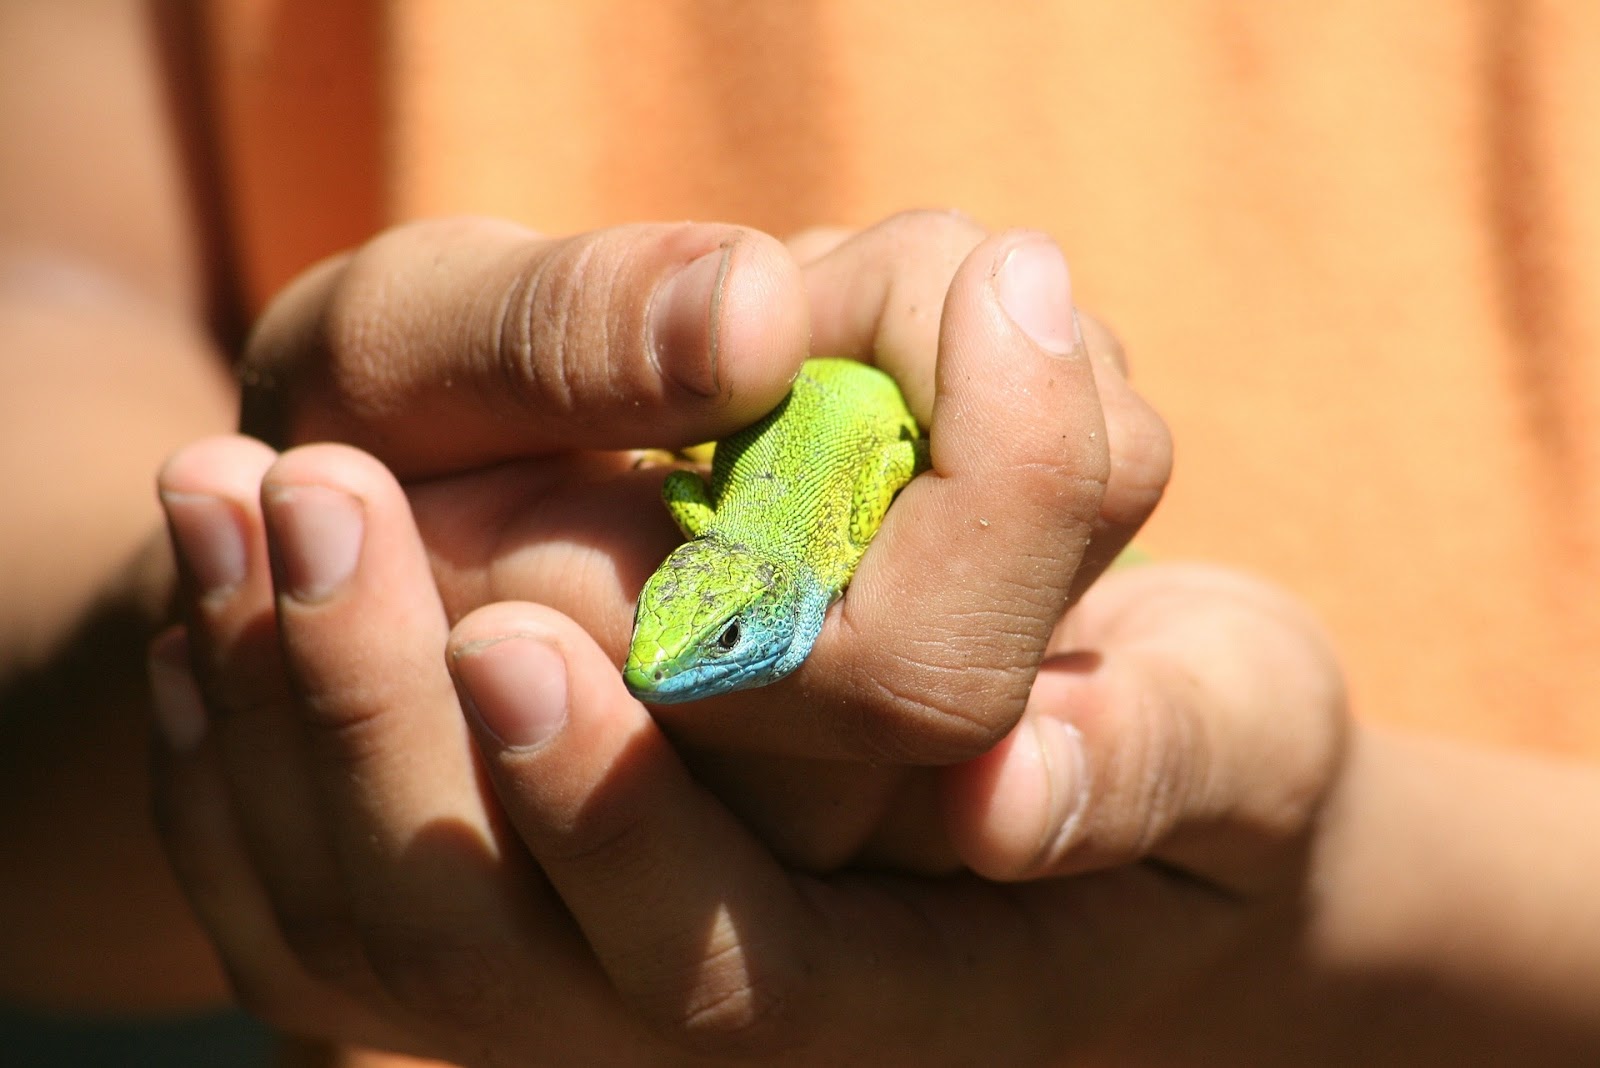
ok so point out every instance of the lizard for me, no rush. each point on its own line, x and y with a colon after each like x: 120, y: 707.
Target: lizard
x: 774, y: 536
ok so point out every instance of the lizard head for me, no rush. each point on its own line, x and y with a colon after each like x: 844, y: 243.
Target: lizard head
x: 716, y: 617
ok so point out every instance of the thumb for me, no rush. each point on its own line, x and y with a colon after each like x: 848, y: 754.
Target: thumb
x: 1189, y: 715
x: 455, y: 343
x: 667, y: 887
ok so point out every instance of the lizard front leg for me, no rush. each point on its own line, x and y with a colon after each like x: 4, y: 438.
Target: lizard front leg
x: 688, y: 500
x: 895, y: 464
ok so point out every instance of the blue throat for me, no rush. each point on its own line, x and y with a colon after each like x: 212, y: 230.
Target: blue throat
x: 812, y: 608
x: 775, y: 659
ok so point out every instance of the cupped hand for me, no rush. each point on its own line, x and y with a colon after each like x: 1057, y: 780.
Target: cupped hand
x: 500, y: 374
x: 565, y: 890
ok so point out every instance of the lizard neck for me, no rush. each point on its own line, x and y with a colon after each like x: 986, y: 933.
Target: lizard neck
x: 811, y: 601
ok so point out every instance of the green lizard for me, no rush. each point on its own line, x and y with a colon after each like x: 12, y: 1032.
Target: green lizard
x: 774, y: 539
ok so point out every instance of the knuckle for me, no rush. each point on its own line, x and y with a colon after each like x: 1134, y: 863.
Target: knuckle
x: 815, y: 242
x: 573, y: 331
x: 948, y: 228
x: 745, y: 1020
x: 285, y: 334
x: 1159, y: 764
x: 945, y: 695
x: 540, y: 324
x: 358, y: 333
x: 464, y: 984
x: 611, y: 852
x: 926, y: 249
x: 349, y: 721
x: 730, y: 1003
x: 943, y: 714
x: 599, y: 843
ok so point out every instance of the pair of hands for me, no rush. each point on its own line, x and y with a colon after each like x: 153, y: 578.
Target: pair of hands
x: 553, y: 873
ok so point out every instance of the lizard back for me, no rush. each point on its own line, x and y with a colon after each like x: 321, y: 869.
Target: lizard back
x: 787, y: 484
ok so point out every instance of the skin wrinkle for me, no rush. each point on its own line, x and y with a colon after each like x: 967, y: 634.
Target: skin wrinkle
x: 224, y: 711
x: 584, y: 845
x: 357, y: 737
x: 746, y: 1010
x: 551, y: 305
x: 1020, y: 637
x: 957, y: 734
x: 515, y: 298
x: 1079, y: 484
x: 1171, y: 758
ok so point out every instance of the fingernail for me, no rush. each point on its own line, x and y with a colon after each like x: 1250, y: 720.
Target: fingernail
x: 1036, y: 291
x: 684, y: 319
x: 180, y: 712
x: 210, y: 537
x: 317, y: 535
x: 516, y: 687
x: 1062, y: 762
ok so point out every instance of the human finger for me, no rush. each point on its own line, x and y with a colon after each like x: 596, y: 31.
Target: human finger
x: 1139, y: 450
x: 447, y: 930
x: 199, y: 831
x: 210, y: 491
x: 363, y: 635
x: 1193, y: 716
x: 947, y: 617
x: 695, y: 925
x: 877, y: 295
x: 454, y: 343
x: 814, y: 242
x: 459, y: 929
x: 642, y: 861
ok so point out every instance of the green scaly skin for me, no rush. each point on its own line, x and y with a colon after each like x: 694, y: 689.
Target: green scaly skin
x: 774, y: 538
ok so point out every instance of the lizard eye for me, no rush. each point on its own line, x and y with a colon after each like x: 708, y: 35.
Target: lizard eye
x: 729, y: 636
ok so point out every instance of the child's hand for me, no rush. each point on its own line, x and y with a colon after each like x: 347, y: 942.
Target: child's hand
x: 332, y: 826
x: 446, y: 347
x: 1188, y: 715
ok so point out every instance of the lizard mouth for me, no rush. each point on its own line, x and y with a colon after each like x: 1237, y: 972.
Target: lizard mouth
x: 659, y: 681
